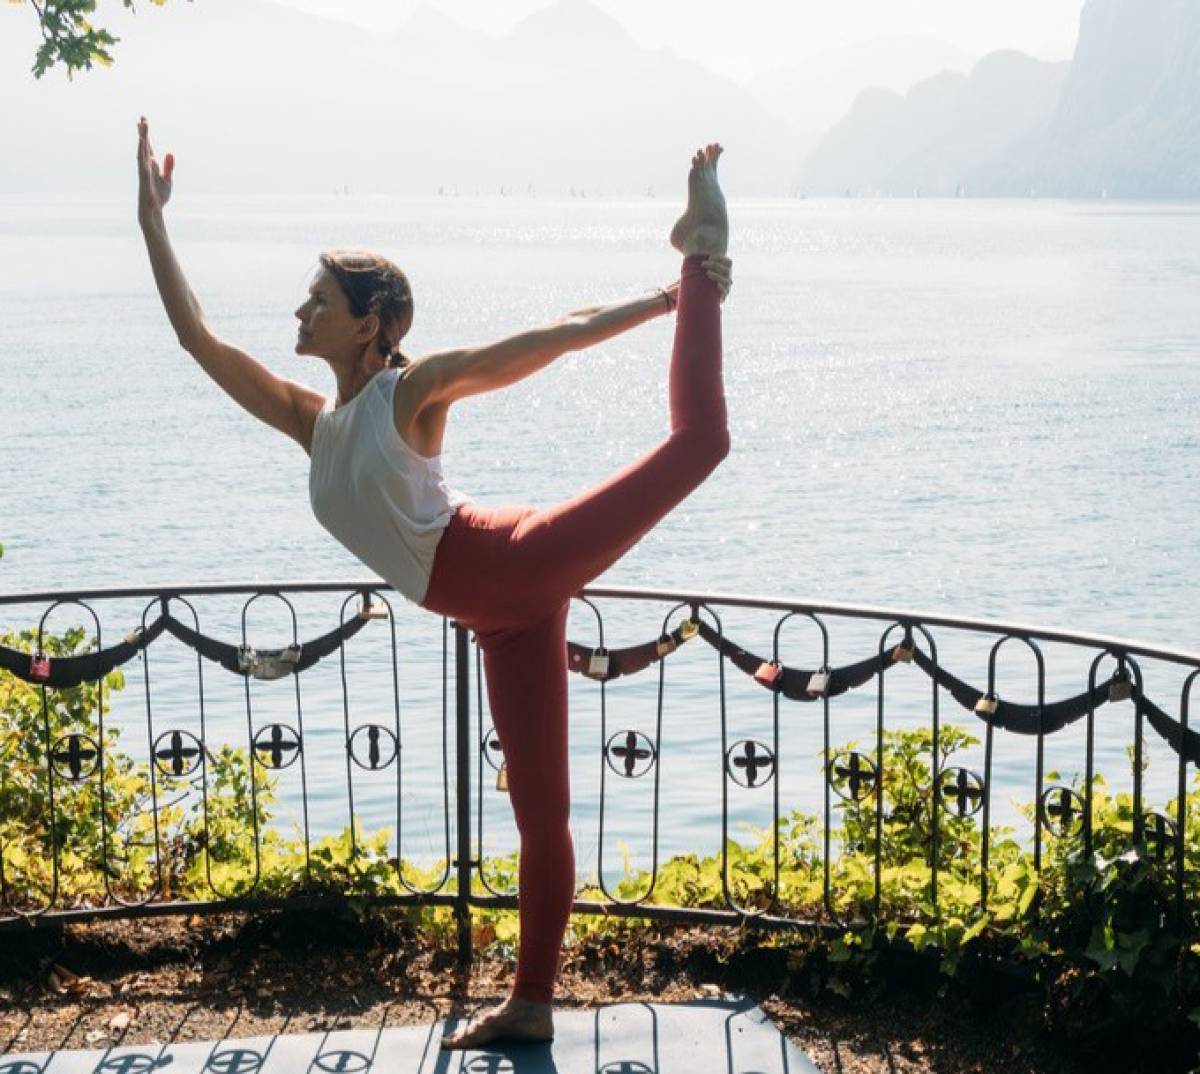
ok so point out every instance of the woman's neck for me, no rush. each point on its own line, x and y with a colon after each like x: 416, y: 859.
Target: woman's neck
x: 352, y: 381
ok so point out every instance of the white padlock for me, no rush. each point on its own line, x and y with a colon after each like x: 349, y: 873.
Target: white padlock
x: 818, y: 682
x: 987, y: 705
x: 598, y: 664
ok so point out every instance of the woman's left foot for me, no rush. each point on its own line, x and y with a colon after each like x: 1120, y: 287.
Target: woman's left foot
x: 514, y: 1019
x: 704, y: 226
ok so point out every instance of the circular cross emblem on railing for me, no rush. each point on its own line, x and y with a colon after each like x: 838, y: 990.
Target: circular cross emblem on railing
x: 493, y: 752
x: 235, y: 1061
x: 630, y: 754
x: 746, y: 759
x: 20, y: 1066
x: 276, y: 746
x: 490, y: 1064
x: 373, y: 747
x: 626, y: 1066
x: 1159, y: 835
x: 177, y: 753
x: 853, y: 776
x: 75, y: 757
x: 1062, y: 811
x: 960, y: 791
x: 342, y: 1062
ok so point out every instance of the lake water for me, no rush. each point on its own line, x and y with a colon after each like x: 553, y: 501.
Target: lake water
x: 976, y: 408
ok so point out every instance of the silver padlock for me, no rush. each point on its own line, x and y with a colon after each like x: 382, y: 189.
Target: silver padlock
x: 818, y: 682
x: 247, y: 659
x: 987, y: 705
x: 1121, y: 688
x: 598, y: 664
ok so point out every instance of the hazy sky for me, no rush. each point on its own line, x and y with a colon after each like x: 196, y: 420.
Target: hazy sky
x: 736, y: 38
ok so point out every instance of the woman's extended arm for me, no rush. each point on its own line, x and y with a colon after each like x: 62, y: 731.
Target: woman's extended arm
x: 447, y: 376
x: 283, y: 404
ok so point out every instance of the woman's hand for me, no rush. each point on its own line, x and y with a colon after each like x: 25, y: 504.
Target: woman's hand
x: 717, y: 269
x: 154, y: 185
x: 720, y: 271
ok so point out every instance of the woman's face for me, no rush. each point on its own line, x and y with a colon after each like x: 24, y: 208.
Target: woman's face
x: 327, y: 328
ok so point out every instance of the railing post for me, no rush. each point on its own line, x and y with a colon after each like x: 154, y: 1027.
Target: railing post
x: 462, y: 700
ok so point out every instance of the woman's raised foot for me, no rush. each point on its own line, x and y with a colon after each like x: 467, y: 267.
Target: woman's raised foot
x: 704, y: 226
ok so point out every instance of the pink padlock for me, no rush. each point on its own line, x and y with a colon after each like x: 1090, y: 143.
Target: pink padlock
x: 39, y: 667
x: 769, y: 673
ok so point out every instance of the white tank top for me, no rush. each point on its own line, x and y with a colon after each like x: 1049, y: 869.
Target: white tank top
x: 369, y: 489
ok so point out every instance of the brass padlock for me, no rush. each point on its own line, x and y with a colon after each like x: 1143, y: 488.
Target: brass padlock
x: 689, y: 628
x: 372, y: 610
x: 769, y: 673
x: 598, y: 664
x: 502, y: 777
x: 818, y: 682
x: 987, y: 705
x: 665, y: 646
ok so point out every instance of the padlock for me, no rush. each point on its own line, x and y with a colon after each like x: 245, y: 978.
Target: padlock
x: 903, y: 653
x: 689, y: 628
x: 987, y: 705
x: 291, y: 655
x: 818, y: 682
x: 769, y: 673
x: 502, y: 777
x: 134, y: 637
x: 665, y: 646
x: 39, y: 667
x: 372, y: 610
x: 598, y: 664
x: 247, y: 659
x: 1121, y: 687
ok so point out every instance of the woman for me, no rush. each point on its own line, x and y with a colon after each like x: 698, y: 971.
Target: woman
x: 506, y: 573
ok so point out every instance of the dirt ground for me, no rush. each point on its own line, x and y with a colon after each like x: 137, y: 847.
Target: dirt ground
x: 233, y: 976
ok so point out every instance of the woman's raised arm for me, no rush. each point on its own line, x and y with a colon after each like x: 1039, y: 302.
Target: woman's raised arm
x: 448, y: 376
x: 283, y: 404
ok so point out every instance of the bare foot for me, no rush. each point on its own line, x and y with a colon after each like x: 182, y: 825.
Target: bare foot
x: 704, y: 226
x: 514, y: 1019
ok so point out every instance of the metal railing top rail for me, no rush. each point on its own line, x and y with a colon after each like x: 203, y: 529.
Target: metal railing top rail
x: 1128, y: 646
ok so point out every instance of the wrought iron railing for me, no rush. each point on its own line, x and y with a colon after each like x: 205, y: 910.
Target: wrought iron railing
x: 1131, y: 692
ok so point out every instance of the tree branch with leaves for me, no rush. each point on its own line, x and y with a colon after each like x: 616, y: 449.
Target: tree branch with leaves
x: 69, y: 38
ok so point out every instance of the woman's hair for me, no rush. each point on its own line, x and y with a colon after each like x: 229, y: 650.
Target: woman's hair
x: 374, y: 285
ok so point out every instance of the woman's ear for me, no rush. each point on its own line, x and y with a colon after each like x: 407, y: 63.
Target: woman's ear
x: 368, y: 329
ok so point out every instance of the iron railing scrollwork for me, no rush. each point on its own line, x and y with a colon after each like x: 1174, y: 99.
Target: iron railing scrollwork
x: 753, y: 764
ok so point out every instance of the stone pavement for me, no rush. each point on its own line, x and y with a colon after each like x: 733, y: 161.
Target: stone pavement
x: 721, y: 1036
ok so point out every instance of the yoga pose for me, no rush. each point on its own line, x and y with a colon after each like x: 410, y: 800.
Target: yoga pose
x: 507, y: 573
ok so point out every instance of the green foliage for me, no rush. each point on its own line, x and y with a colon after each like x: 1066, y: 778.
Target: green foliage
x: 68, y: 36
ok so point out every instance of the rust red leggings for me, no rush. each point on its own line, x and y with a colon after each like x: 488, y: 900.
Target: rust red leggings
x: 508, y: 574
